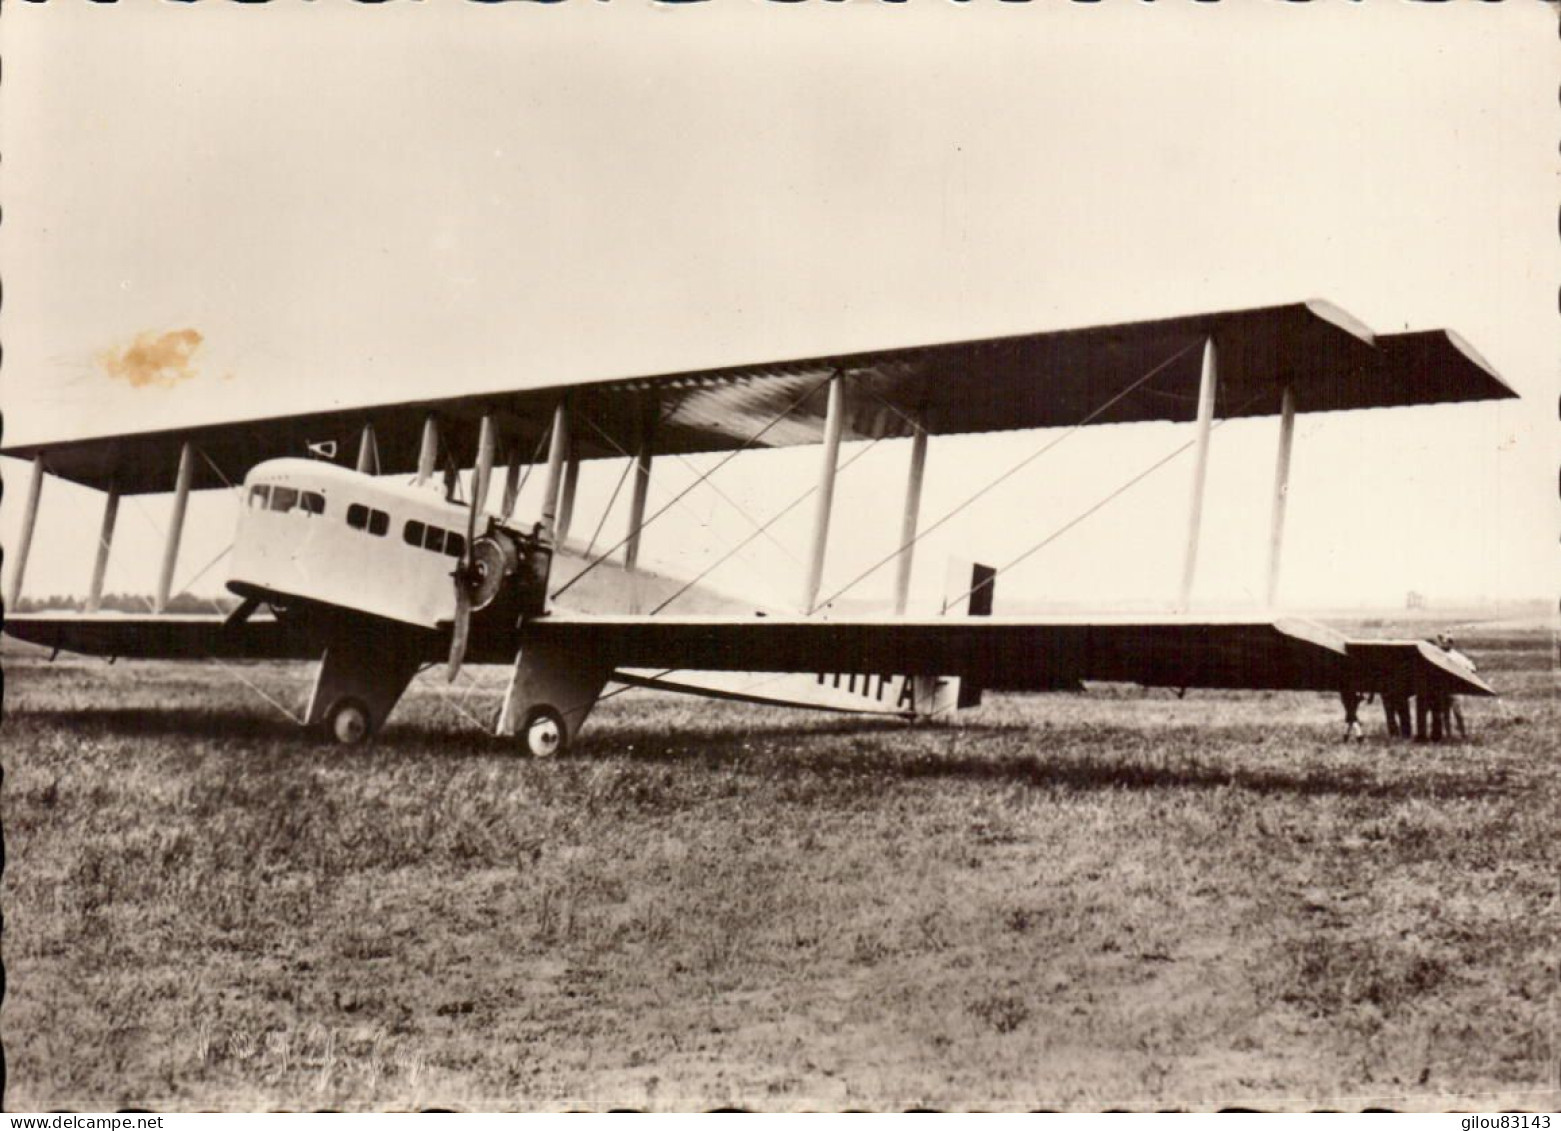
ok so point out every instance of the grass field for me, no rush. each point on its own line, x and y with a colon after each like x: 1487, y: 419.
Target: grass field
x: 1118, y: 899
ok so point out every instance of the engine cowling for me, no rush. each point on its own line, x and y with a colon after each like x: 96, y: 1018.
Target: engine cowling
x: 493, y: 558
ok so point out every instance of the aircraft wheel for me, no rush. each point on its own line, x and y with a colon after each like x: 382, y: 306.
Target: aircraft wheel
x: 544, y: 734
x: 348, y: 722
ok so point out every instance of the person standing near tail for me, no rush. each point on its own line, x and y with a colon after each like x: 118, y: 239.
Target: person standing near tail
x: 1352, y: 728
x: 1395, y: 706
x: 1445, y: 642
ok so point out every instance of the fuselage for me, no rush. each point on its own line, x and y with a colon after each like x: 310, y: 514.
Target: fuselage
x: 314, y: 531
x: 324, y: 533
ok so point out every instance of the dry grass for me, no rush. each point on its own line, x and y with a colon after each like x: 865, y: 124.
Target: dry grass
x: 1118, y: 899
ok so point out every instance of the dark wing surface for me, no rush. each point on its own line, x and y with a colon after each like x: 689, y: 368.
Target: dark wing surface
x: 1134, y: 371
x: 1011, y: 654
x: 165, y: 636
x: 1412, y: 667
x: 1016, y: 654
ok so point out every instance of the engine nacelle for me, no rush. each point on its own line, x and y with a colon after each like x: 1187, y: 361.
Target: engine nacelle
x: 494, y: 557
x: 516, y: 565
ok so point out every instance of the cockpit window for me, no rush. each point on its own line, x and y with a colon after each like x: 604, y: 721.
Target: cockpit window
x: 260, y: 496
x: 435, y: 538
x: 360, y: 517
x: 312, y: 502
x: 284, y: 498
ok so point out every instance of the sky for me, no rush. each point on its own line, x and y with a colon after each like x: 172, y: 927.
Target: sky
x: 350, y: 204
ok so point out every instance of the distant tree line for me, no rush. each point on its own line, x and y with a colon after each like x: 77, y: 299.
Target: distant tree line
x: 125, y: 603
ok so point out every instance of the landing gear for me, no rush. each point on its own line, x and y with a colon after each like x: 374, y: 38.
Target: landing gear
x: 544, y: 733
x: 348, y: 722
x: 551, y: 692
x: 360, y: 678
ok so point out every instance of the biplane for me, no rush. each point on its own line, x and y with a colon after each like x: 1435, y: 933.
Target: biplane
x: 380, y: 569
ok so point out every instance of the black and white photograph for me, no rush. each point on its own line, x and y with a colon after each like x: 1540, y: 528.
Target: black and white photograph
x: 782, y: 557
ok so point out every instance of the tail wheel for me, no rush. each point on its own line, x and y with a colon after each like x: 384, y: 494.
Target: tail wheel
x: 348, y: 722
x: 544, y: 734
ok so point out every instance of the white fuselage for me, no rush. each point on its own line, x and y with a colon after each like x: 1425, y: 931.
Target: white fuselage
x: 312, y: 530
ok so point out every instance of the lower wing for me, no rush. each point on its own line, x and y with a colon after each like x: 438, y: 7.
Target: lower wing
x: 1024, y: 653
x: 1001, y: 653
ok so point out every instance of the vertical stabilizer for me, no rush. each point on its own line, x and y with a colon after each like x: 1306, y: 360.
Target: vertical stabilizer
x: 967, y: 591
x: 978, y: 603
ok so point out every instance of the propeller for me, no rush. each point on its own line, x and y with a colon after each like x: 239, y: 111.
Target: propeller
x: 474, y: 575
x: 463, y: 627
x: 479, y: 579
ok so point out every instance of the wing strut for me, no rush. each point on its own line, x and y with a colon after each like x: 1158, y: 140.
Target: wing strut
x: 557, y: 447
x: 902, y: 576
x: 181, y: 499
x: 1013, y: 470
x: 1200, y: 470
x: 702, y: 477
x: 566, y: 493
x: 368, y: 451
x: 29, y: 520
x: 511, y: 482
x: 642, y: 462
x: 1276, y: 535
x: 428, y: 449
x: 482, y: 471
x: 762, y: 528
x: 826, y: 492
x: 105, y: 543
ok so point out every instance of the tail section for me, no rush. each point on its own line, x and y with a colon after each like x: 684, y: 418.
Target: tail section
x: 848, y: 693
x: 967, y: 592
x: 977, y: 599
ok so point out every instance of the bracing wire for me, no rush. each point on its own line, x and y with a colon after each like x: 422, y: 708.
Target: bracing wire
x: 1139, y: 382
x: 157, y: 527
x: 212, y: 464
x: 628, y: 466
x: 733, y: 454
x: 1008, y: 474
x: 228, y: 669
x: 448, y: 698
x: 776, y: 542
x: 771, y: 521
x: 764, y: 527
x: 238, y: 675
x: 233, y: 672
x: 200, y: 573
x: 1092, y: 415
x: 709, y: 483
x: 536, y: 454
x: 1092, y: 509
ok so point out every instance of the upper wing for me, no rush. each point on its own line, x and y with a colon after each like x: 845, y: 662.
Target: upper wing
x: 1019, y: 654
x: 1133, y: 371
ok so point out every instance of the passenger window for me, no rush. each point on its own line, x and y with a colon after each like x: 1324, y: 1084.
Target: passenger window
x: 412, y: 533
x: 260, y: 496
x: 379, y: 522
x: 312, y: 502
x: 433, y: 539
x: 454, y: 544
x: 357, y: 516
x: 283, y: 499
